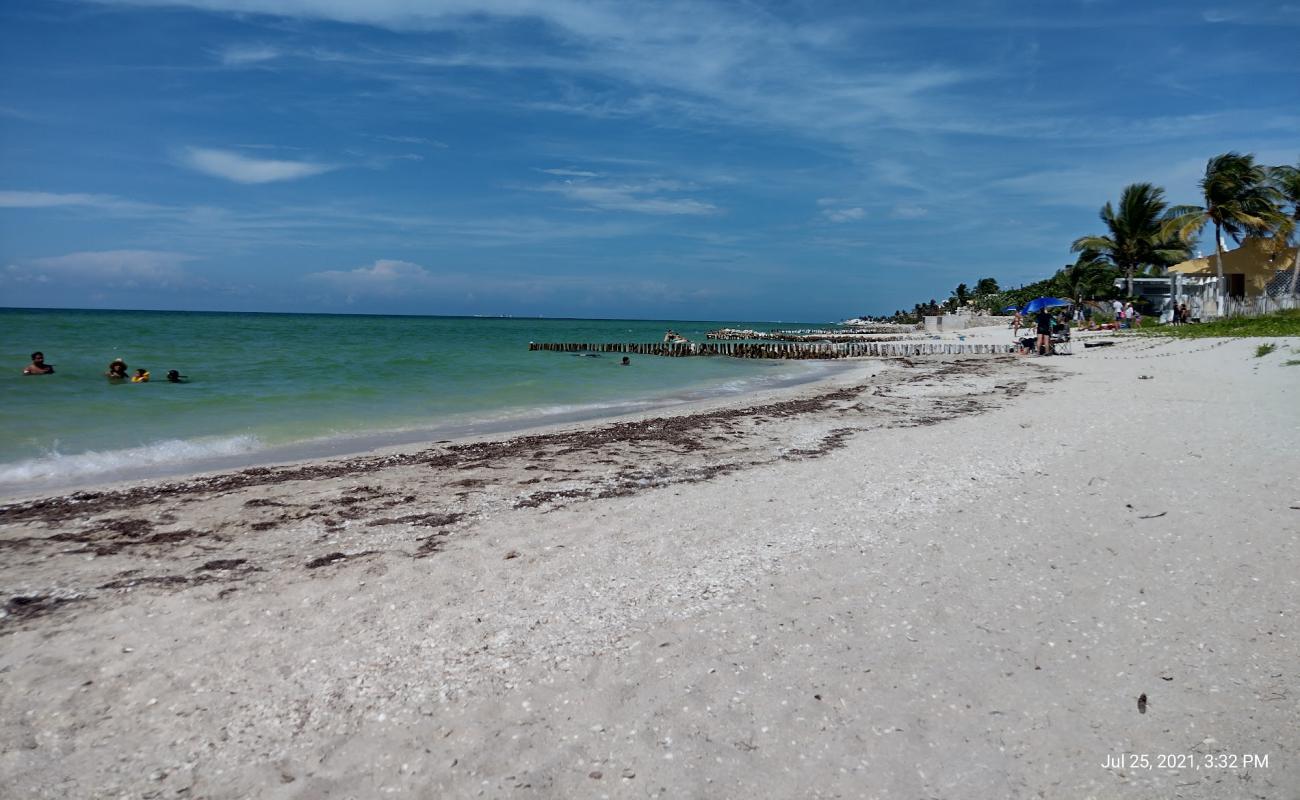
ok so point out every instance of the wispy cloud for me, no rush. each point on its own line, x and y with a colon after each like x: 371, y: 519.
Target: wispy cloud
x: 413, y: 140
x: 15, y: 199
x: 25, y: 199
x: 242, y: 55
x: 853, y: 214
x: 644, y: 197
x: 692, y: 63
x: 393, y: 279
x: 105, y: 268
x: 570, y: 173
x: 242, y: 169
x: 907, y: 211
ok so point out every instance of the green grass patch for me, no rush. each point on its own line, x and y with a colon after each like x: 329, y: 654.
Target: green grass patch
x: 1292, y: 362
x: 1282, y: 323
x: 1264, y: 349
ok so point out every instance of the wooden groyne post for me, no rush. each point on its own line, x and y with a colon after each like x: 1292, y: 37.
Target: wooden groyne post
x: 792, y: 350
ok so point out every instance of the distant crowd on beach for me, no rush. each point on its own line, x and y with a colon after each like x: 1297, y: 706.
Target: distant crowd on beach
x: 117, y: 371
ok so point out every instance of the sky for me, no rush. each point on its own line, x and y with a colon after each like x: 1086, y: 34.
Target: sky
x: 674, y: 160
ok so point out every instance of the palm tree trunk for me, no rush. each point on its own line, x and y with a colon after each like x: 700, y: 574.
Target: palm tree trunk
x: 1218, y: 265
x: 1295, y: 271
x: 1128, y: 274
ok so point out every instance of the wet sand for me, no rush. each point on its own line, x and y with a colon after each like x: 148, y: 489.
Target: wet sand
x: 935, y: 577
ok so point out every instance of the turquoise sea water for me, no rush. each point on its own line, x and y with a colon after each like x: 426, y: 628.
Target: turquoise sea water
x: 275, y: 386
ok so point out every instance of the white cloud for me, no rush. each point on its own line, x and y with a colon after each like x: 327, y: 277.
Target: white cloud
x: 14, y: 199
x: 570, y: 173
x: 117, y: 206
x: 394, y: 279
x: 385, y: 277
x: 105, y: 268
x: 641, y: 198
x: 683, y: 62
x: 242, y: 169
x: 413, y: 140
x: 845, y: 214
x: 904, y: 211
x: 244, y: 54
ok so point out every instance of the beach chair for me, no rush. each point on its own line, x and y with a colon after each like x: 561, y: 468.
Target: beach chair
x: 1061, y: 344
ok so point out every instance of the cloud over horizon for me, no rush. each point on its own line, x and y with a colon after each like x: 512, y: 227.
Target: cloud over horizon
x: 105, y: 268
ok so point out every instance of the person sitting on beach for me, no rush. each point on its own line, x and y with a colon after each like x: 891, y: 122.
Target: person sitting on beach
x: 174, y: 376
x: 116, y: 370
x: 141, y: 376
x: 38, y: 365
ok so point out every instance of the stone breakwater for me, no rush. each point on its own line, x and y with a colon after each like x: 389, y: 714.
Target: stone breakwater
x: 811, y: 350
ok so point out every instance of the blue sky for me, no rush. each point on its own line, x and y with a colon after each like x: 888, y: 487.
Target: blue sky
x: 793, y: 160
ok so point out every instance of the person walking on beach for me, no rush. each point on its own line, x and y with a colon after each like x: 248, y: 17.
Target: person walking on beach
x: 38, y: 365
x: 1017, y: 322
x: 1119, y: 313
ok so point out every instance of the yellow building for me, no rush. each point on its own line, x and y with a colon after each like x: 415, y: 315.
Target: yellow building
x: 1246, y: 270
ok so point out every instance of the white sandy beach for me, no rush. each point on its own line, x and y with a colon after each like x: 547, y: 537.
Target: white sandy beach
x: 929, y: 578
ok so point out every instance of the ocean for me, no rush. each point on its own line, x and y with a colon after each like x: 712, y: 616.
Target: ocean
x: 271, y: 387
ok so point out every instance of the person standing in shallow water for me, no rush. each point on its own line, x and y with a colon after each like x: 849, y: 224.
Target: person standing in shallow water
x: 116, y: 370
x: 38, y: 365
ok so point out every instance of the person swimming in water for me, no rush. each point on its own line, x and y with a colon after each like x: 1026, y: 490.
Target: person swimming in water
x: 141, y: 376
x: 116, y: 370
x: 174, y: 376
x: 38, y: 365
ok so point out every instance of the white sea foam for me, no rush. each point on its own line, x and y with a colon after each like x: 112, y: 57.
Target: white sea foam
x: 95, y: 464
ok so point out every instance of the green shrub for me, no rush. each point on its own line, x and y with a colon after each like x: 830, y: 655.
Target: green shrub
x: 1281, y: 323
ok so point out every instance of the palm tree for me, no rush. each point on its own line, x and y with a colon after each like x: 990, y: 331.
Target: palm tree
x: 1136, y: 235
x: 1087, y: 278
x: 1286, y: 179
x: 1239, y: 201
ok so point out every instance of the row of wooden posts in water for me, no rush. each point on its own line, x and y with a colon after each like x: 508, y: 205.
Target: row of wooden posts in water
x: 895, y: 332
x: 779, y: 350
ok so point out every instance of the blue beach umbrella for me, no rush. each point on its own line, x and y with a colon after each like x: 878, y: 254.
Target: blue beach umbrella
x: 1011, y: 308
x: 1039, y: 303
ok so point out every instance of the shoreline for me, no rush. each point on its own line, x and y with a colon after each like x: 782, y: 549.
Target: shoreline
x: 987, y: 559
x: 699, y: 411
x: 356, y: 444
